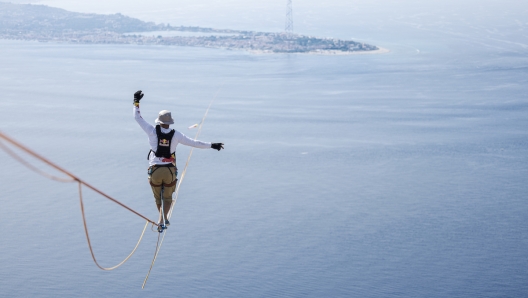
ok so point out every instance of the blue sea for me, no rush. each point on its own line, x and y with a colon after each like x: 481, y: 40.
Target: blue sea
x: 401, y: 174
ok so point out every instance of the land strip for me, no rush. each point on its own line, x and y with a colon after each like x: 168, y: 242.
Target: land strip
x: 48, y: 24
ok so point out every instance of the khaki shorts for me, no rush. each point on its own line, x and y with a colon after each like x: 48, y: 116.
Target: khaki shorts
x: 165, y: 176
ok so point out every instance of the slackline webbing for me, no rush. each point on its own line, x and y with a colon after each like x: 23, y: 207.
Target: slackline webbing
x: 72, y: 178
x: 160, y: 239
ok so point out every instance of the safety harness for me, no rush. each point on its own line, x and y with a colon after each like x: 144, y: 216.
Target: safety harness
x: 164, y: 144
x: 163, y: 150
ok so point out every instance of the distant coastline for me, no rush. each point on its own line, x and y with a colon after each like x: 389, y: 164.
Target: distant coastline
x: 331, y: 52
x: 48, y: 24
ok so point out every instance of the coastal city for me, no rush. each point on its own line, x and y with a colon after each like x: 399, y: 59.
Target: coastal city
x: 47, y: 24
x: 257, y: 41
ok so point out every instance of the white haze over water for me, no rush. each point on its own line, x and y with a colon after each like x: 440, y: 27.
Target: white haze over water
x: 394, y: 175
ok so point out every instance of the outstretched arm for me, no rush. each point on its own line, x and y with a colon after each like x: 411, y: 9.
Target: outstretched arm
x: 185, y: 140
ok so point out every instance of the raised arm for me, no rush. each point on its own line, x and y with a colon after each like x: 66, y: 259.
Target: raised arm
x: 137, y: 114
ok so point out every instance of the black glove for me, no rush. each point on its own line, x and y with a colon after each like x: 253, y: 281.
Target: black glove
x: 217, y: 146
x: 138, y: 96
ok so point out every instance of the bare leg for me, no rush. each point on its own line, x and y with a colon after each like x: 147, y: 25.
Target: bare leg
x: 159, y: 211
x: 166, y: 209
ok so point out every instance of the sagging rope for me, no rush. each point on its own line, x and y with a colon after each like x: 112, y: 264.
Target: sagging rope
x: 31, y: 167
x: 159, y: 243
x: 72, y: 178
x: 90, y: 245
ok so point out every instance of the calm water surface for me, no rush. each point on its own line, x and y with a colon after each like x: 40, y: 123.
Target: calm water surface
x: 395, y: 175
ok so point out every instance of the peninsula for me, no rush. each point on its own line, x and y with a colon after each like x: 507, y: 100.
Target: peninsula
x: 48, y: 24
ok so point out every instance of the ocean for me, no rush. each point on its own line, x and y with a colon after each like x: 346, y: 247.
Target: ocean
x: 385, y: 175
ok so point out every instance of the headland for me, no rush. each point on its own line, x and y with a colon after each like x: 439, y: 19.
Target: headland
x: 48, y: 24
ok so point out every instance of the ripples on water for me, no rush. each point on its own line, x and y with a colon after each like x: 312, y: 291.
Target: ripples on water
x: 395, y: 175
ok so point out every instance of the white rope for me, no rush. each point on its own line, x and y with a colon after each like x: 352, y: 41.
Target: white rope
x: 159, y: 243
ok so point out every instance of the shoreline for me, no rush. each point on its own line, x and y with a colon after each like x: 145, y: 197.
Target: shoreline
x: 380, y: 50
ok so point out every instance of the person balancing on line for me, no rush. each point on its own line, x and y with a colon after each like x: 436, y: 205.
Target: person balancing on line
x: 162, y: 171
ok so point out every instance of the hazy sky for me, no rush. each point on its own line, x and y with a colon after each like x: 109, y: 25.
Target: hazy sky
x: 269, y: 10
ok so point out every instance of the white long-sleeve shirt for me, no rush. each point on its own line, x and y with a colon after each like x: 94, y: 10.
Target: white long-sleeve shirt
x: 176, y: 139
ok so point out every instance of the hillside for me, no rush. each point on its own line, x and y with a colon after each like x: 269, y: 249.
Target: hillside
x: 48, y: 24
